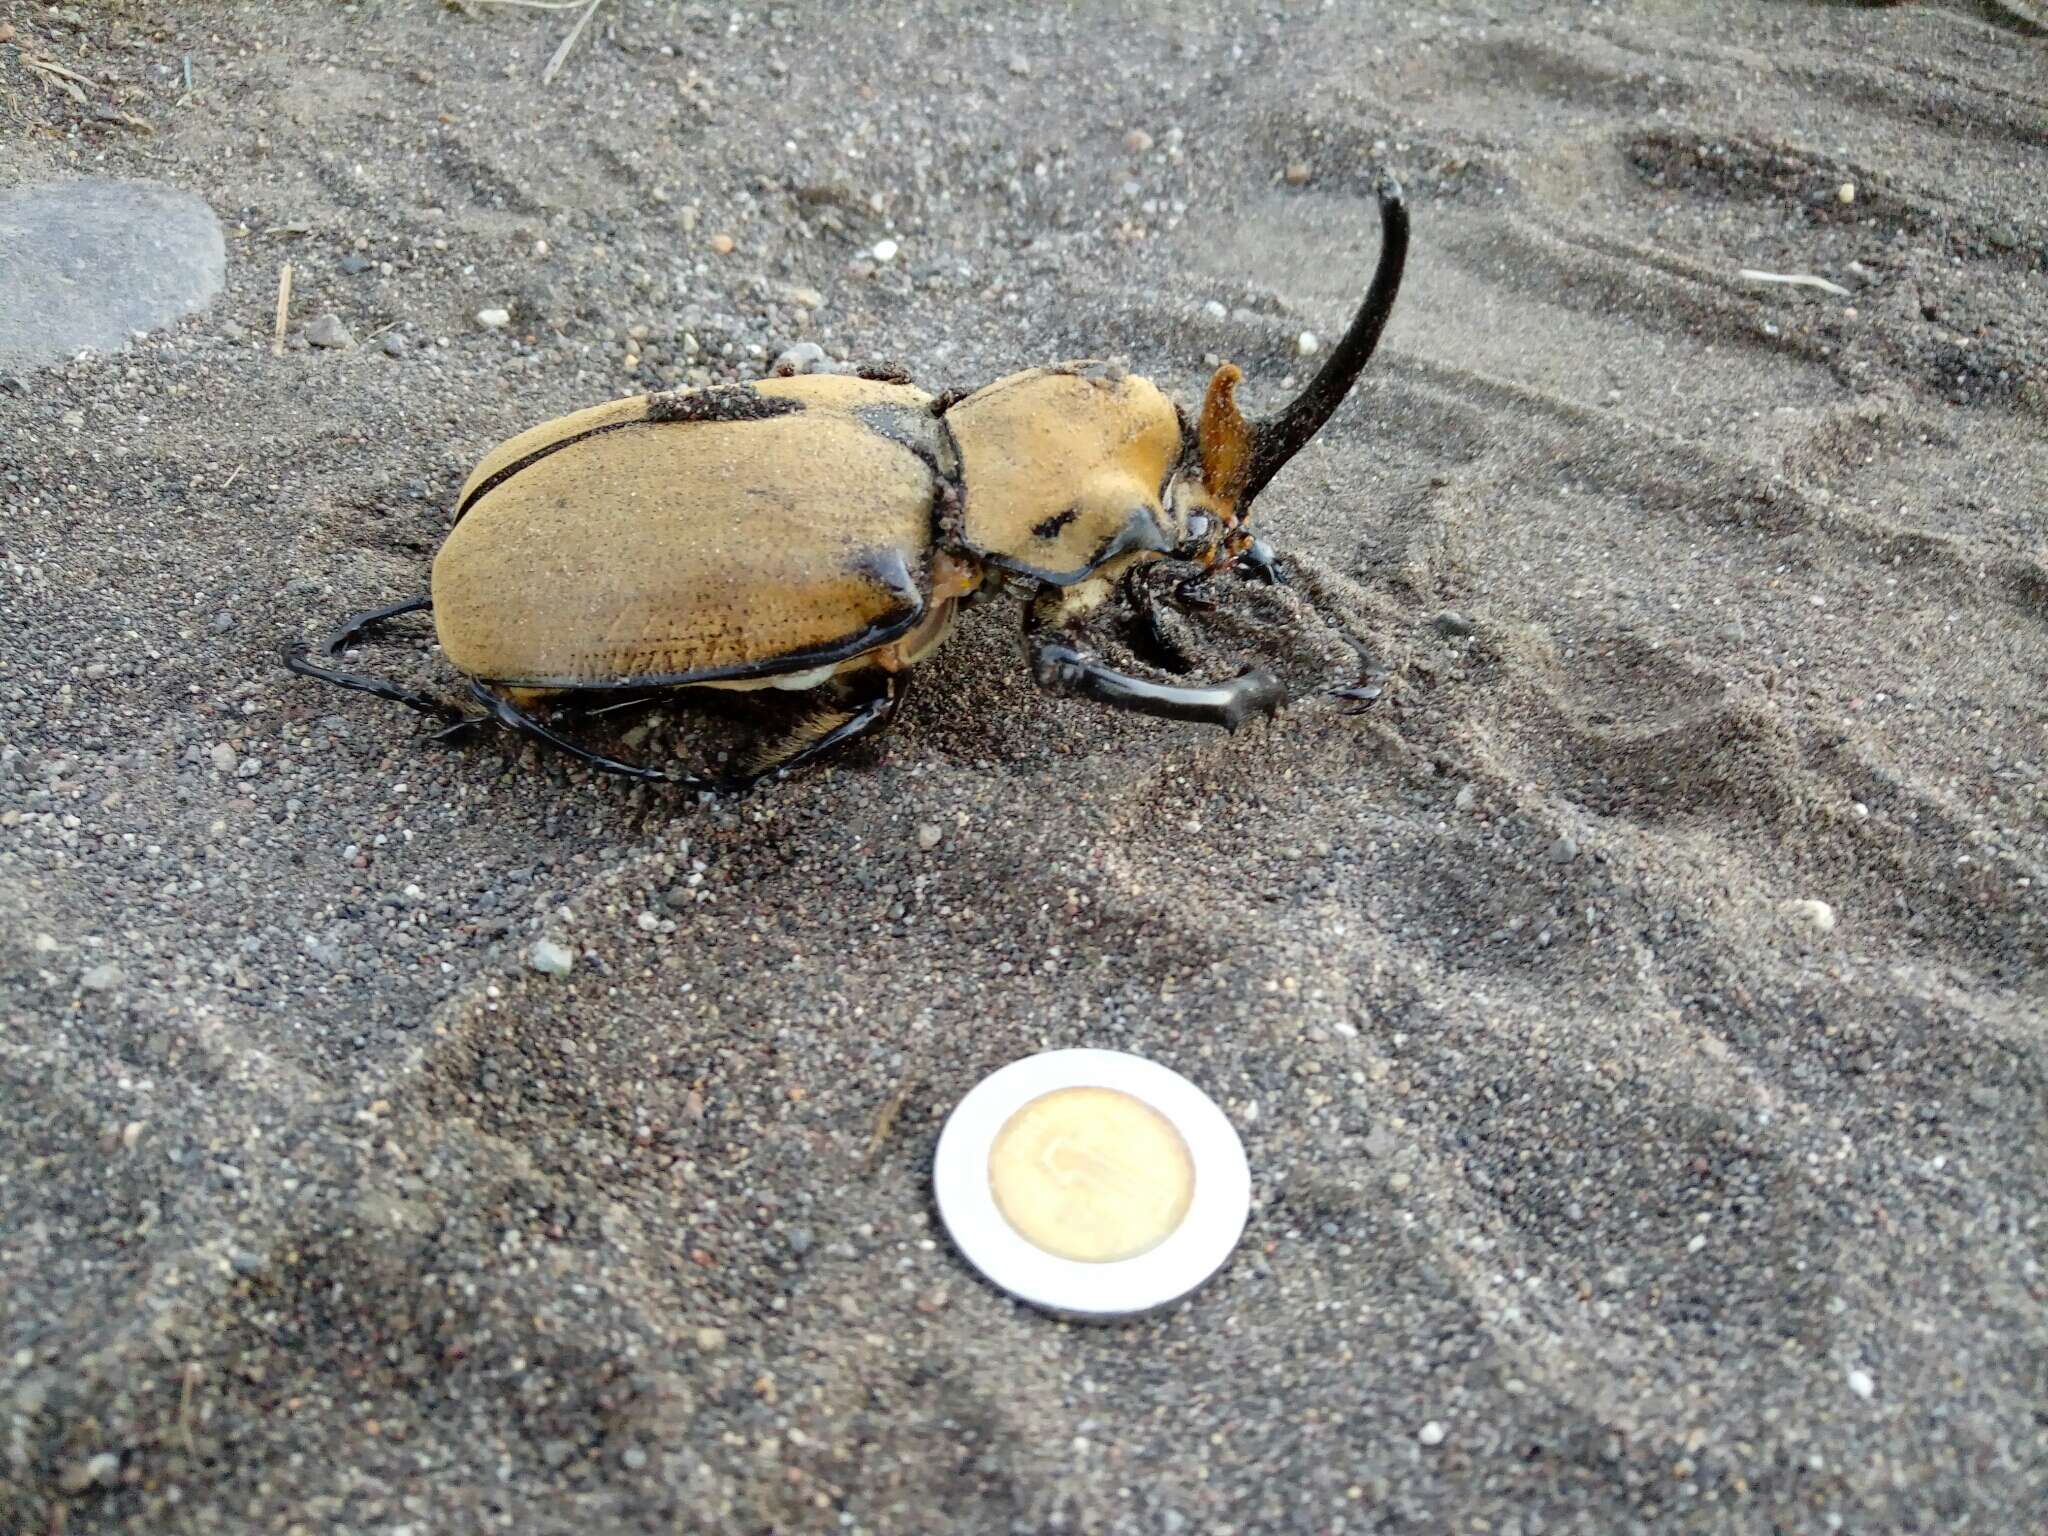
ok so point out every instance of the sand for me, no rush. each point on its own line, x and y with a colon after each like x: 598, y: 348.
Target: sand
x: 1605, y: 1179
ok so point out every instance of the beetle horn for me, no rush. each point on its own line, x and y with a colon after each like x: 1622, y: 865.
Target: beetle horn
x: 1224, y: 438
x: 1276, y: 440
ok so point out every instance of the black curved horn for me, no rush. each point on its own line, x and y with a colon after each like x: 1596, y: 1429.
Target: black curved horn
x: 1278, y: 439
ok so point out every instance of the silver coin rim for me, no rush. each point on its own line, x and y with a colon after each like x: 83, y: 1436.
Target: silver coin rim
x: 1206, y: 1237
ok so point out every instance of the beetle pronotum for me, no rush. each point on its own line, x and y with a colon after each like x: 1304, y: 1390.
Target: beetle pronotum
x: 820, y: 534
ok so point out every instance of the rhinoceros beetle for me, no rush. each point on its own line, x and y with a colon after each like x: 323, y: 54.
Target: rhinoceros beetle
x: 819, y: 533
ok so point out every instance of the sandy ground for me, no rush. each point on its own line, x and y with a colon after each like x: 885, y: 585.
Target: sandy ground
x: 1574, y: 1135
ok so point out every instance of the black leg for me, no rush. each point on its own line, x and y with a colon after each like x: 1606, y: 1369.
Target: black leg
x: 298, y: 658
x: 1257, y: 561
x: 514, y: 718
x: 1372, y: 680
x: 1062, y: 666
x: 1148, y: 634
x: 830, y: 730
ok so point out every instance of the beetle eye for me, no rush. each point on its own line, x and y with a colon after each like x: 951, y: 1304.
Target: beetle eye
x: 1198, y: 526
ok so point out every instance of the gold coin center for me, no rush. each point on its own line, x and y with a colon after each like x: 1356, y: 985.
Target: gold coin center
x: 1091, y: 1174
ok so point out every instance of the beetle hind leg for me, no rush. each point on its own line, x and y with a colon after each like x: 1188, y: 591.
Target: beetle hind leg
x: 298, y: 657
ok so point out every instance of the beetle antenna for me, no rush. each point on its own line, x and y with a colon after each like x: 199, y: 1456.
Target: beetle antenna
x: 1278, y: 439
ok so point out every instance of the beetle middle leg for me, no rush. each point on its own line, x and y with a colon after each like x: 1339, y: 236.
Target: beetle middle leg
x: 832, y: 728
x: 514, y: 718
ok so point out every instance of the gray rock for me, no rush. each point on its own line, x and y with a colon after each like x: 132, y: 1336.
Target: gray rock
x: 394, y: 344
x: 88, y: 263
x: 1452, y: 624
x: 550, y: 958
x: 103, y: 977
x: 328, y: 331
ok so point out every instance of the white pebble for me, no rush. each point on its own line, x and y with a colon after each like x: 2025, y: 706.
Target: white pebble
x: 1846, y: 192
x: 885, y: 251
x: 1466, y: 798
x: 492, y: 319
x: 1861, y: 1384
x: 1307, y: 344
x: 1431, y: 1433
x: 1215, y: 310
x: 550, y: 958
x: 648, y: 922
x: 928, y: 836
x: 223, y: 757
x: 1817, y: 915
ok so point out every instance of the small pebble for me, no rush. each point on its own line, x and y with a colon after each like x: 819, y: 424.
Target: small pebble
x: 1298, y: 174
x: 1020, y: 66
x: 723, y: 245
x: 394, y: 344
x: 1431, y: 1433
x: 223, y: 621
x: 103, y: 977
x: 884, y: 252
x: 1307, y: 344
x: 1846, y: 193
x: 1861, y: 1384
x: 1215, y: 311
x: 1138, y: 141
x: 328, y: 331
x: 73, y: 419
x: 1453, y: 625
x: 81, y: 1475
x: 804, y: 357
x: 647, y: 922
x: 550, y: 958
x: 493, y: 319
x: 1817, y: 915
x: 1467, y: 797
x: 223, y: 757
x: 928, y: 836
x: 355, y: 262
x: 633, y: 1458
x: 711, y: 1340
x: 1563, y: 851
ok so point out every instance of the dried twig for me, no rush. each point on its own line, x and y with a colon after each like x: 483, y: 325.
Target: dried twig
x: 284, y: 304
x: 547, y: 75
x: 885, y: 1122
x: 1799, y: 280
x: 58, y: 76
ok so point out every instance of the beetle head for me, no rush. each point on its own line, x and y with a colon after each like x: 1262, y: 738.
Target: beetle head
x: 1234, y: 458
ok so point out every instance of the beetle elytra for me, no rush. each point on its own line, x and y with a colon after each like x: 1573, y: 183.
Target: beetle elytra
x: 820, y: 534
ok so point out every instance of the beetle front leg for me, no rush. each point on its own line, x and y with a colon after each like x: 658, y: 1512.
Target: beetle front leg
x: 1061, y: 664
x: 1258, y: 562
x: 1148, y: 634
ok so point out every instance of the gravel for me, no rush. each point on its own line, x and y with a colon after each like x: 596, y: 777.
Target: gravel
x: 412, y: 1234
